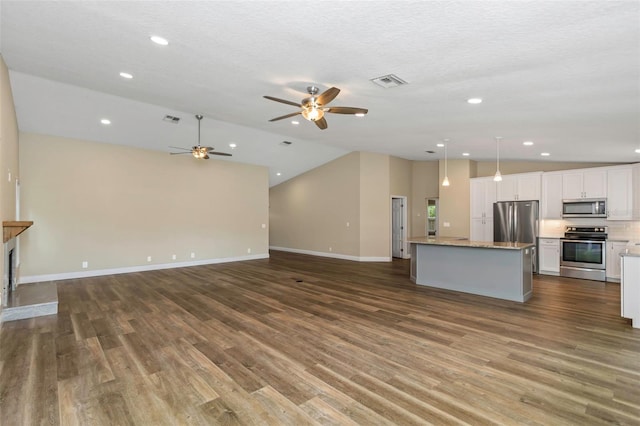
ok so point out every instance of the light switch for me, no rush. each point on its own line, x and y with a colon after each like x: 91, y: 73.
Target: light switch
x: 446, y: 224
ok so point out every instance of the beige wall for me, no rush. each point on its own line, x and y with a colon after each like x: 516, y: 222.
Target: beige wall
x: 342, y: 208
x: 400, y: 180
x: 454, y: 199
x: 113, y: 206
x: 8, y: 155
x: 310, y: 212
x: 488, y: 168
x: 375, y: 205
x: 424, y: 185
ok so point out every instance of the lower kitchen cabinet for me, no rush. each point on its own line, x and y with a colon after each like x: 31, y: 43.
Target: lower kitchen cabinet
x: 614, y: 249
x: 549, y: 256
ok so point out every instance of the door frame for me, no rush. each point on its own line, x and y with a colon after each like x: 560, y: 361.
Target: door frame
x: 405, y: 248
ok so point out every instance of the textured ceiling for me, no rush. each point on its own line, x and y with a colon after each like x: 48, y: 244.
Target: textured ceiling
x: 563, y: 74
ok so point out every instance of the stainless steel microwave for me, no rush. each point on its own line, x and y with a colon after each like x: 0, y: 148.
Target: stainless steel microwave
x: 585, y: 207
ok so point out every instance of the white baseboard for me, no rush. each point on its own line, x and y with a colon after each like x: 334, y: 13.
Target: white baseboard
x: 333, y: 255
x: 141, y: 268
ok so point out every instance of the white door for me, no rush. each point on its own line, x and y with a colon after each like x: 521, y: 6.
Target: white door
x: 397, y: 227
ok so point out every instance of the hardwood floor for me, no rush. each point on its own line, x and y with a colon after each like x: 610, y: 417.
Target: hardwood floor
x: 303, y: 340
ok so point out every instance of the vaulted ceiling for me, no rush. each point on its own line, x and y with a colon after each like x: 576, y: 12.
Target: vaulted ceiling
x: 564, y: 75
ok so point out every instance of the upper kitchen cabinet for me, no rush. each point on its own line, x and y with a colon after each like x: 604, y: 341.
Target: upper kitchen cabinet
x: 519, y: 187
x: 551, y: 203
x: 620, y: 193
x: 584, y: 184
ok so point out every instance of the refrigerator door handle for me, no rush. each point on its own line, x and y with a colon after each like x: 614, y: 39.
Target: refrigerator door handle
x: 510, y: 227
x: 514, y: 235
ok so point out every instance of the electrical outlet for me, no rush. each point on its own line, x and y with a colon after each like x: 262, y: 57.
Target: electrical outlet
x: 173, y: 257
x: 248, y: 250
x: 446, y: 224
x: 330, y: 248
x: 193, y: 255
x: 85, y: 264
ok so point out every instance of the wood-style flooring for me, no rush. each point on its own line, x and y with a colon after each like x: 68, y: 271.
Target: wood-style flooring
x: 301, y: 340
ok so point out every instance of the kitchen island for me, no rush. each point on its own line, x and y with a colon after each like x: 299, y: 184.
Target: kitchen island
x: 630, y: 285
x: 500, y: 270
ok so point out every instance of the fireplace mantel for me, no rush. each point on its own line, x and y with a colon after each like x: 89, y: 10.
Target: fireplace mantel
x: 13, y: 228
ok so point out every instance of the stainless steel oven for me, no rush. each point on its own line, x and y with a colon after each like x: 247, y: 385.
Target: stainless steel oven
x: 583, y: 253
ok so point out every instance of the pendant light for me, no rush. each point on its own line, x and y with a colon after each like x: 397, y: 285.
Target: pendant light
x: 498, y: 176
x: 445, y: 181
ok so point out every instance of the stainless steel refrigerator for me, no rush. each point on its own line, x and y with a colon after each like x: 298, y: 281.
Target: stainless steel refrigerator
x: 517, y: 221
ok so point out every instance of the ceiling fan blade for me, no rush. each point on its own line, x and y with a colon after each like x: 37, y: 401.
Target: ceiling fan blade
x: 206, y: 157
x: 208, y: 148
x: 286, y: 116
x: 177, y: 147
x: 282, y: 101
x: 346, y: 110
x: 328, y: 95
x: 219, y: 153
x: 178, y: 153
x: 322, y: 123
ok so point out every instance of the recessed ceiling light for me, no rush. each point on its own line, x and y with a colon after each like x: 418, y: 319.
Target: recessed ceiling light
x: 474, y: 100
x: 159, y: 40
x: 638, y: 151
x: 545, y: 154
x: 360, y: 114
x: 527, y: 143
x: 440, y: 145
x: 232, y: 145
x: 278, y: 174
x: 105, y: 121
x: 126, y: 75
x: 466, y: 154
x: 295, y: 123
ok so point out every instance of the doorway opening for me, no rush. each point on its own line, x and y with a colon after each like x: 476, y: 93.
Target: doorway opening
x: 432, y: 217
x: 399, y: 227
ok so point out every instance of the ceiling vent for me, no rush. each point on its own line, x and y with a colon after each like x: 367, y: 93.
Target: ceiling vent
x: 285, y: 143
x: 388, y: 81
x: 171, y: 119
x: 430, y: 152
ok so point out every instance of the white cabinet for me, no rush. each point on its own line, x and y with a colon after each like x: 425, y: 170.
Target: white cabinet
x: 584, y: 184
x: 549, y: 256
x: 614, y: 249
x: 481, y: 229
x: 483, y: 195
x: 519, y: 187
x: 630, y: 290
x: 619, y: 193
x: 551, y: 202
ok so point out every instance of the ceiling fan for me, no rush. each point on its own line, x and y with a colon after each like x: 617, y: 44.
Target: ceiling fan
x: 314, y: 107
x: 199, y: 152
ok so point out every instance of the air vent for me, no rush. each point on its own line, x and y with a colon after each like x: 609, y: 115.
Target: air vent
x: 285, y: 143
x: 430, y: 152
x: 171, y: 119
x: 388, y: 81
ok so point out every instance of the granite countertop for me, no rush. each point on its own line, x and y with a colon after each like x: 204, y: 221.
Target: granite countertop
x: 633, y: 251
x: 463, y: 242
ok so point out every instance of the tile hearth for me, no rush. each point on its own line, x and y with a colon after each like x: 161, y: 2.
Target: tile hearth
x: 31, y: 300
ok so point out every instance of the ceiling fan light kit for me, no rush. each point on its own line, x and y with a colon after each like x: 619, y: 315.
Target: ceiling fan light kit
x: 199, y: 152
x: 314, y: 107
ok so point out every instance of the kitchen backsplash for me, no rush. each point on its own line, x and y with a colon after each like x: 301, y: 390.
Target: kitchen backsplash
x: 618, y: 230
